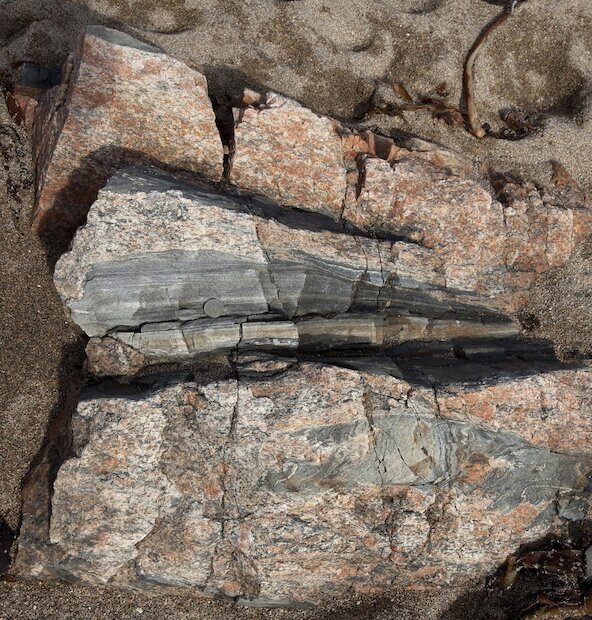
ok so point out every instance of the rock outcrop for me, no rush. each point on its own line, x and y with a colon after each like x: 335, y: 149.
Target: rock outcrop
x: 176, y: 271
x: 141, y: 106
x: 307, y: 481
x: 121, y: 101
x: 491, y: 244
x: 306, y: 380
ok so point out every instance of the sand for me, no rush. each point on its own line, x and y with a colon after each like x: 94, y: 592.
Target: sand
x: 339, y: 57
x: 38, y: 346
x: 39, y: 601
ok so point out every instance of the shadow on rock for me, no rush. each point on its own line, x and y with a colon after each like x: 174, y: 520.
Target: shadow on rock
x: 37, y: 486
x: 7, y: 537
x: 548, y: 578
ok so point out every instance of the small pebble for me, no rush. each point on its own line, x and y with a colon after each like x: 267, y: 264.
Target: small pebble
x: 213, y: 308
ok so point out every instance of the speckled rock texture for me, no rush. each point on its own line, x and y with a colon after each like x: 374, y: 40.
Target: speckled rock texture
x: 306, y: 381
x: 290, y: 154
x: 121, y: 101
x: 174, y: 271
x: 139, y: 105
x: 288, y: 484
x: 492, y: 243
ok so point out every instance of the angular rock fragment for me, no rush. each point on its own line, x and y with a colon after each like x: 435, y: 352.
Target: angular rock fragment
x: 121, y: 101
x: 300, y: 485
x: 22, y: 108
x: 290, y: 154
x: 300, y: 159
x: 30, y: 83
x: 111, y: 357
x: 174, y: 271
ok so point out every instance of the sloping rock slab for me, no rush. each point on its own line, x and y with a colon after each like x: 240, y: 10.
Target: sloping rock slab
x: 291, y: 486
x: 121, y: 101
x: 290, y: 154
x: 174, y: 270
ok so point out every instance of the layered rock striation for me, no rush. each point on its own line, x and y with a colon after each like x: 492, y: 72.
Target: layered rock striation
x: 177, y: 271
x: 307, y: 380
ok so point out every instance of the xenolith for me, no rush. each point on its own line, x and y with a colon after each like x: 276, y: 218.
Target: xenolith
x: 176, y: 270
x: 298, y: 484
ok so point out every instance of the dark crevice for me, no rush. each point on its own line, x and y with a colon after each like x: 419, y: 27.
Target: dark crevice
x: 37, y: 485
x: 225, y: 125
x: 361, y: 183
x: 7, y: 538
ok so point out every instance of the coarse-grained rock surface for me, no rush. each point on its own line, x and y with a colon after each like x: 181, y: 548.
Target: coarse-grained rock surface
x: 175, y: 270
x: 282, y: 142
x: 305, y: 481
x: 331, y: 57
x: 308, y: 403
x: 496, y: 248
x: 546, y: 404
x: 489, y: 244
x: 492, y: 245
x: 121, y: 101
x: 427, y: 204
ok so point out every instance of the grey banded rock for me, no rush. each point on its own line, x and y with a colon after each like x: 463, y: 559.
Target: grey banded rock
x: 179, y: 342
x: 156, y: 252
x: 305, y: 481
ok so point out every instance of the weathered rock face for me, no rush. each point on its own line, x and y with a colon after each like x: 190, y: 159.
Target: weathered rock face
x: 282, y: 142
x: 496, y: 249
x: 121, y: 101
x: 141, y: 106
x: 307, y: 403
x: 291, y: 486
x: 493, y: 248
x: 451, y: 214
x: 546, y: 404
x: 175, y: 271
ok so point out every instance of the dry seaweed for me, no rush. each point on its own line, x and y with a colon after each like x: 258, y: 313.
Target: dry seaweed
x: 401, y: 91
x: 442, y: 89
